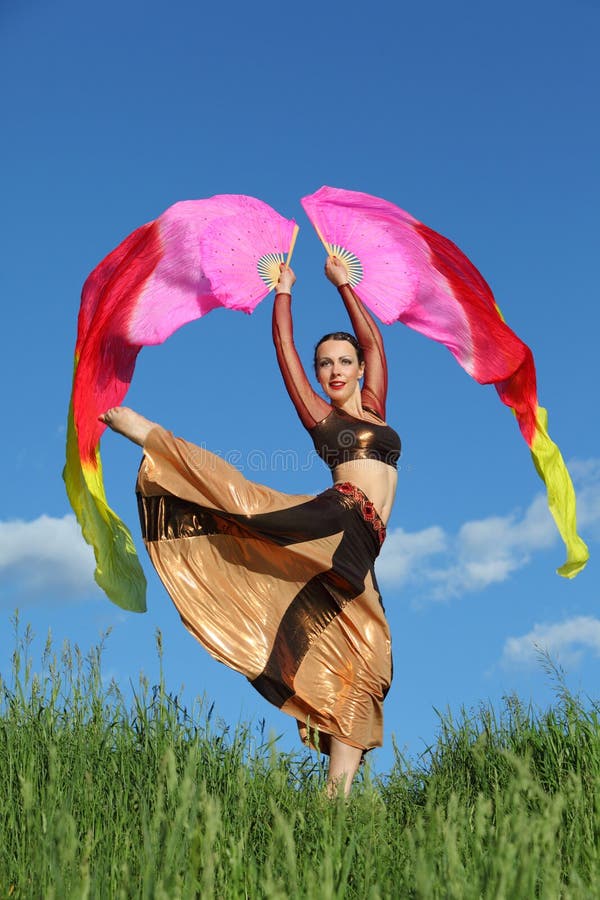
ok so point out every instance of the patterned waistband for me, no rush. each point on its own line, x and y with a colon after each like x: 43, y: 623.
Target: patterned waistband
x: 369, y: 513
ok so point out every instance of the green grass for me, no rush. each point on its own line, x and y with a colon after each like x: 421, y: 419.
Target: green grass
x: 103, y: 798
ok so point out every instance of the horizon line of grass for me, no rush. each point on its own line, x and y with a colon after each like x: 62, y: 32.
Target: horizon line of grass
x: 154, y: 799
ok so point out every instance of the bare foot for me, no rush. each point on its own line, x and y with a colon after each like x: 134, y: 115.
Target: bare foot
x: 127, y: 422
x: 344, y: 761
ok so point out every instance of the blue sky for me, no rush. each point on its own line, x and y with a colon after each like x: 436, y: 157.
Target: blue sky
x: 478, y: 120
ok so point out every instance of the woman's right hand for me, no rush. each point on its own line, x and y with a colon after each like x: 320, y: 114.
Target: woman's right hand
x: 286, y: 279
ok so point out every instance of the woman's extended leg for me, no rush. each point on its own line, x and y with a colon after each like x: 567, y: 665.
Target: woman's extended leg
x: 344, y: 761
x: 127, y: 422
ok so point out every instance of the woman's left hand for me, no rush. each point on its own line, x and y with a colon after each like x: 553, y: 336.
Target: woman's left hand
x: 336, y: 271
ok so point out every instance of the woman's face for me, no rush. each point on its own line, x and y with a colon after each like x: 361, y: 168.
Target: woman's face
x: 338, y: 370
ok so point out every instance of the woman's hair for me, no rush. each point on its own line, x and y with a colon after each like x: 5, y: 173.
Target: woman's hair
x: 340, y: 336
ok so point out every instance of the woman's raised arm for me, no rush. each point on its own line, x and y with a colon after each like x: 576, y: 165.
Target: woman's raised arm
x: 309, y: 406
x: 374, y: 392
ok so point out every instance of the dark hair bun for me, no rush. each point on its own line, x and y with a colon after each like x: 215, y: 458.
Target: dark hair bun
x: 340, y: 336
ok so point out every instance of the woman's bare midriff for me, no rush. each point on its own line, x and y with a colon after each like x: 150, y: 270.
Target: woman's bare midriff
x: 375, y: 479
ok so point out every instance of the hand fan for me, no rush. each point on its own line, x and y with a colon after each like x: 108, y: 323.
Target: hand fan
x: 145, y: 289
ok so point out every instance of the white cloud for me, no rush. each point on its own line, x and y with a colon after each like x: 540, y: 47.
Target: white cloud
x: 564, y: 642
x: 46, y: 554
x: 403, y: 551
x: 485, y: 551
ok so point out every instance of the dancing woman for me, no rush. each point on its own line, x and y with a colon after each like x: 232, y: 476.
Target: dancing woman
x: 282, y: 587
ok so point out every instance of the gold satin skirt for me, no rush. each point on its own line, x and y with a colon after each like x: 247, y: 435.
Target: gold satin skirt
x: 278, y: 587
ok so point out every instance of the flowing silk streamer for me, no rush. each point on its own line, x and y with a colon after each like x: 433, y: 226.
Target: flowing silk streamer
x: 145, y: 289
x: 405, y: 271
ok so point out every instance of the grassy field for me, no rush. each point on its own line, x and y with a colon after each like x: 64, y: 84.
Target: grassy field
x: 100, y: 798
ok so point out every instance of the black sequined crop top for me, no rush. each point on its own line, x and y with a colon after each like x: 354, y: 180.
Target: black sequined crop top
x: 340, y: 438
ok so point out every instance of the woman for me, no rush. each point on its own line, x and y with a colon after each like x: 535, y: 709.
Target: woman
x: 282, y: 587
